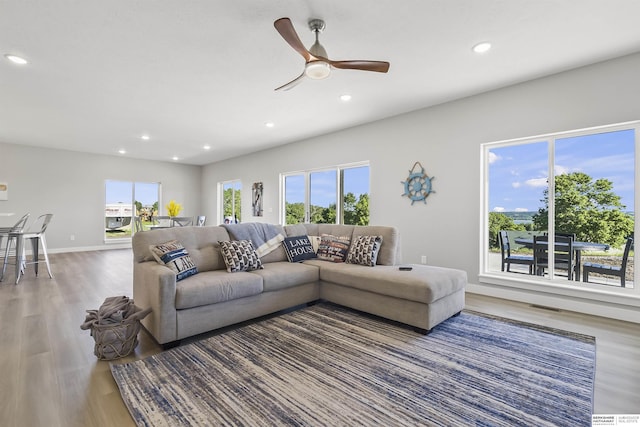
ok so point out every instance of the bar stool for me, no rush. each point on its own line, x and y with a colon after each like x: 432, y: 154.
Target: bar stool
x: 37, y: 239
x: 14, y: 233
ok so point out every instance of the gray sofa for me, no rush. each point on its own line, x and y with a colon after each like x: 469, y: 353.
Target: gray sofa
x: 214, y: 298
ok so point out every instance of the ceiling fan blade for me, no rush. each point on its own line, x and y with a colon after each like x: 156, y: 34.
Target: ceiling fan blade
x: 377, y: 66
x: 288, y: 33
x: 293, y: 83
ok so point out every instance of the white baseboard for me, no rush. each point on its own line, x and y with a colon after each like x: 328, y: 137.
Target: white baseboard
x: 612, y: 310
x: 124, y: 245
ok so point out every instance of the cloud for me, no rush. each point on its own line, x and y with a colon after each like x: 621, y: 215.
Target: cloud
x: 493, y: 157
x: 561, y: 170
x: 536, y: 182
x: 522, y: 210
x: 498, y: 209
x: 516, y: 184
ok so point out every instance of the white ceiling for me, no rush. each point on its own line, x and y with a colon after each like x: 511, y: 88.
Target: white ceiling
x: 102, y: 73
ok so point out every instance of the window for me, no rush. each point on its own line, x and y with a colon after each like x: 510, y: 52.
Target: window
x: 337, y: 195
x: 577, y: 186
x: 129, y: 207
x: 231, y: 203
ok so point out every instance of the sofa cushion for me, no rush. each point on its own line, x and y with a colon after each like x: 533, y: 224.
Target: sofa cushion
x: 364, y: 250
x: 216, y: 286
x: 298, y: 248
x: 281, y: 275
x: 173, y: 255
x: 423, y: 283
x: 239, y: 255
x: 333, y: 248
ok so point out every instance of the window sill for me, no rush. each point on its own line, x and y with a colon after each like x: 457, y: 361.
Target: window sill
x: 618, y: 303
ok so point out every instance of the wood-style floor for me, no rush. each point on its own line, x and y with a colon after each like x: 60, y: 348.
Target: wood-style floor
x: 50, y: 377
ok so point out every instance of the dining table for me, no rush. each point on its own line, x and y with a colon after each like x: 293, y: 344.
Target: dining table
x: 578, y: 248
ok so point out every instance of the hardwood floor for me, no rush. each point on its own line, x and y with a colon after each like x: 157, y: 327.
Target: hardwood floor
x: 50, y: 377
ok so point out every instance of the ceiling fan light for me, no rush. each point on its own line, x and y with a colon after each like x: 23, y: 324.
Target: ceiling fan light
x: 317, y: 70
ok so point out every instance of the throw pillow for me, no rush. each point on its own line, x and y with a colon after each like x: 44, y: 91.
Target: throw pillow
x: 298, y: 248
x: 364, y: 250
x: 175, y: 256
x: 315, y: 242
x: 239, y: 255
x: 333, y: 248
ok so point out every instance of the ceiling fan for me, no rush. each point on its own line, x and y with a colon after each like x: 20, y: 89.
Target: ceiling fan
x: 317, y: 64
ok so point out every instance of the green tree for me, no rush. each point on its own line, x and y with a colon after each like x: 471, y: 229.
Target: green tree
x: 356, y: 212
x: 499, y: 221
x: 229, y: 194
x: 588, y: 208
x: 294, y: 213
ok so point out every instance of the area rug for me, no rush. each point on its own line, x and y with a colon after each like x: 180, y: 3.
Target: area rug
x: 330, y: 366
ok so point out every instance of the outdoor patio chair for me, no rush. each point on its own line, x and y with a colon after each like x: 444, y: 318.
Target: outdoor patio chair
x: 610, y: 270
x: 564, y: 255
x: 508, y: 258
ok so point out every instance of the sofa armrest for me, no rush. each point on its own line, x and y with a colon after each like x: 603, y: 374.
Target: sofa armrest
x: 154, y: 286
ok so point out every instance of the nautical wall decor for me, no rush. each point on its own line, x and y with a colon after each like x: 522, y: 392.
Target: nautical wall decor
x: 417, y: 187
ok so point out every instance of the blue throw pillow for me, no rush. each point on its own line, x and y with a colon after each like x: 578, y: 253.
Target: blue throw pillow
x: 175, y: 256
x: 298, y: 248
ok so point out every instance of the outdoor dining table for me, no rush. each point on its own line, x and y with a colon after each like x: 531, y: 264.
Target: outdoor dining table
x: 578, y: 247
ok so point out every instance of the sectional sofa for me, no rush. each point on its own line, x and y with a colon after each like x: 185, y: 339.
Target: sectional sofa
x: 185, y: 304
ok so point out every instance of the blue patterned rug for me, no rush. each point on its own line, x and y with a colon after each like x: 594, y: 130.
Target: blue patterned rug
x: 330, y: 366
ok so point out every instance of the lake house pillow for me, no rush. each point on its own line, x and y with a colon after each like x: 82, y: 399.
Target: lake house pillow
x: 173, y: 255
x: 298, y: 248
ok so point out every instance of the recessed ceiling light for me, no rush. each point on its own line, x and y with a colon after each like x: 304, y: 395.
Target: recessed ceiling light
x: 345, y: 98
x: 16, y: 59
x: 482, y: 47
x: 207, y: 147
x: 122, y: 151
x: 175, y: 158
x: 145, y: 137
x: 269, y: 124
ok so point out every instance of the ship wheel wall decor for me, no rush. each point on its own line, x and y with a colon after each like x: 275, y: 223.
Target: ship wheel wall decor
x: 418, y: 186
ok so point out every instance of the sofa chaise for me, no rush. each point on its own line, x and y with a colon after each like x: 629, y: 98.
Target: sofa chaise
x: 187, y: 304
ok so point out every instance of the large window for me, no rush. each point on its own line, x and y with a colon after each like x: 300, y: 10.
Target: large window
x: 569, y: 190
x: 337, y: 195
x: 129, y: 207
x: 231, y: 203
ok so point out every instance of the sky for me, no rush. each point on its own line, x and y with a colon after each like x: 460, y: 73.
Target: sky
x: 323, y: 188
x: 122, y: 191
x: 323, y: 185
x: 518, y: 174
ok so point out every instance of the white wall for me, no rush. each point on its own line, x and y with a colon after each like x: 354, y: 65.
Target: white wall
x: 71, y: 186
x: 446, y: 140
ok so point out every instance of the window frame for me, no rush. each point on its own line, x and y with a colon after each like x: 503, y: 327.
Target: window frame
x: 563, y: 287
x: 221, y: 188
x: 133, y: 185
x: 306, y: 174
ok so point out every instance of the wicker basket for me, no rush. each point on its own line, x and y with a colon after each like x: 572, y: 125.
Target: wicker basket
x: 116, y: 340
